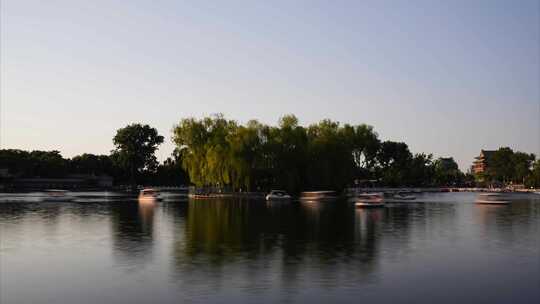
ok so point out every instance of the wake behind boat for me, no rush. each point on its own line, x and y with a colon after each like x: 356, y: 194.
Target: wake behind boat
x: 399, y: 197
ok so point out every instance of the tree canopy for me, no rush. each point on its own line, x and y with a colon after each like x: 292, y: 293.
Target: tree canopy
x: 326, y: 155
x: 215, y: 151
x: 135, y: 146
x: 507, y: 166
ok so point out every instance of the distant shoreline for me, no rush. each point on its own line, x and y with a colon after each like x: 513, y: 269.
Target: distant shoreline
x: 254, y: 194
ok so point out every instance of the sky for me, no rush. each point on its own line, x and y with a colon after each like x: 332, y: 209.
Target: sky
x: 446, y: 77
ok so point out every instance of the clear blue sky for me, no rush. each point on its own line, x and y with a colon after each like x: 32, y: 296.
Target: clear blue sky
x: 446, y: 77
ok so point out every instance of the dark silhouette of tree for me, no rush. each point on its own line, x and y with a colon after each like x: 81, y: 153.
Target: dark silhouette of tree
x: 135, y: 146
x: 508, y: 166
x: 500, y: 165
x: 214, y: 151
x: 446, y: 172
x: 33, y: 164
x: 421, y: 170
x: 92, y: 164
x: 522, y: 163
x: 393, y: 161
x: 533, y: 179
x: 169, y: 173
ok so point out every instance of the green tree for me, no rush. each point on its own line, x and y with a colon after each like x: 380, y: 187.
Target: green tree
x: 500, y: 166
x: 330, y: 159
x: 522, y: 164
x: 421, y: 170
x: 205, y: 149
x: 446, y: 172
x: 244, y: 150
x: 91, y: 164
x: 135, y: 146
x: 326, y: 155
x: 17, y: 162
x: 47, y: 164
x: 393, y: 160
x: 533, y: 179
x: 170, y: 172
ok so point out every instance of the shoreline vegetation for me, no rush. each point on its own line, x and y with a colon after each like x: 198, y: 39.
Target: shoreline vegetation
x: 215, y: 153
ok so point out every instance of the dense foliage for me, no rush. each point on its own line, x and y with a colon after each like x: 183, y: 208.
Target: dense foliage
x: 135, y: 147
x: 33, y: 164
x: 327, y: 155
x: 133, y: 161
x: 533, y: 180
x: 506, y: 166
x: 44, y: 164
x: 215, y: 151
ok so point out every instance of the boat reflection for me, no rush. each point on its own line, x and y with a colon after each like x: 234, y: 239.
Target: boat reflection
x: 146, y: 212
x: 132, y: 231
x: 149, y: 195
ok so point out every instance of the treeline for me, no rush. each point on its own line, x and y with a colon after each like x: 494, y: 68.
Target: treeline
x: 216, y: 151
x: 132, y: 161
x: 505, y: 166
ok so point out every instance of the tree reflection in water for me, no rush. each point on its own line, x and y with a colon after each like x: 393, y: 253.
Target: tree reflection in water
x: 243, y: 251
x: 252, y: 242
x: 132, y: 231
x: 513, y: 223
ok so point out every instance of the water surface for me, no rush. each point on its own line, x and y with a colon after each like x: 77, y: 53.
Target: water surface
x: 444, y: 250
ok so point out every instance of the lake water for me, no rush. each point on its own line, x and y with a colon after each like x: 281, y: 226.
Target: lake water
x: 95, y: 250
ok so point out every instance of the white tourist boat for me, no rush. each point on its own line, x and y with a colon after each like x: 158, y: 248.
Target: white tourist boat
x: 369, y: 200
x: 149, y: 195
x: 277, y: 195
x: 56, y: 195
x: 491, y: 198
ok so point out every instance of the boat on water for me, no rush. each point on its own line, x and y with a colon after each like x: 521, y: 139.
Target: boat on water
x: 491, y: 198
x: 402, y: 196
x: 318, y: 196
x: 149, y: 195
x: 57, y: 195
x: 369, y: 200
x: 277, y: 195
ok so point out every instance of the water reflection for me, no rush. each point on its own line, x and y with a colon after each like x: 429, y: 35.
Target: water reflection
x: 248, y: 251
x: 367, y: 231
x: 331, y: 241
x: 132, y: 231
x: 49, y: 214
x: 513, y: 224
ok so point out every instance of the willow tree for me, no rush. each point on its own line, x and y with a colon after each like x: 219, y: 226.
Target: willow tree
x: 325, y: 155
x: 330, y: 156
x: 286, y: 149
x: 205, y: 149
